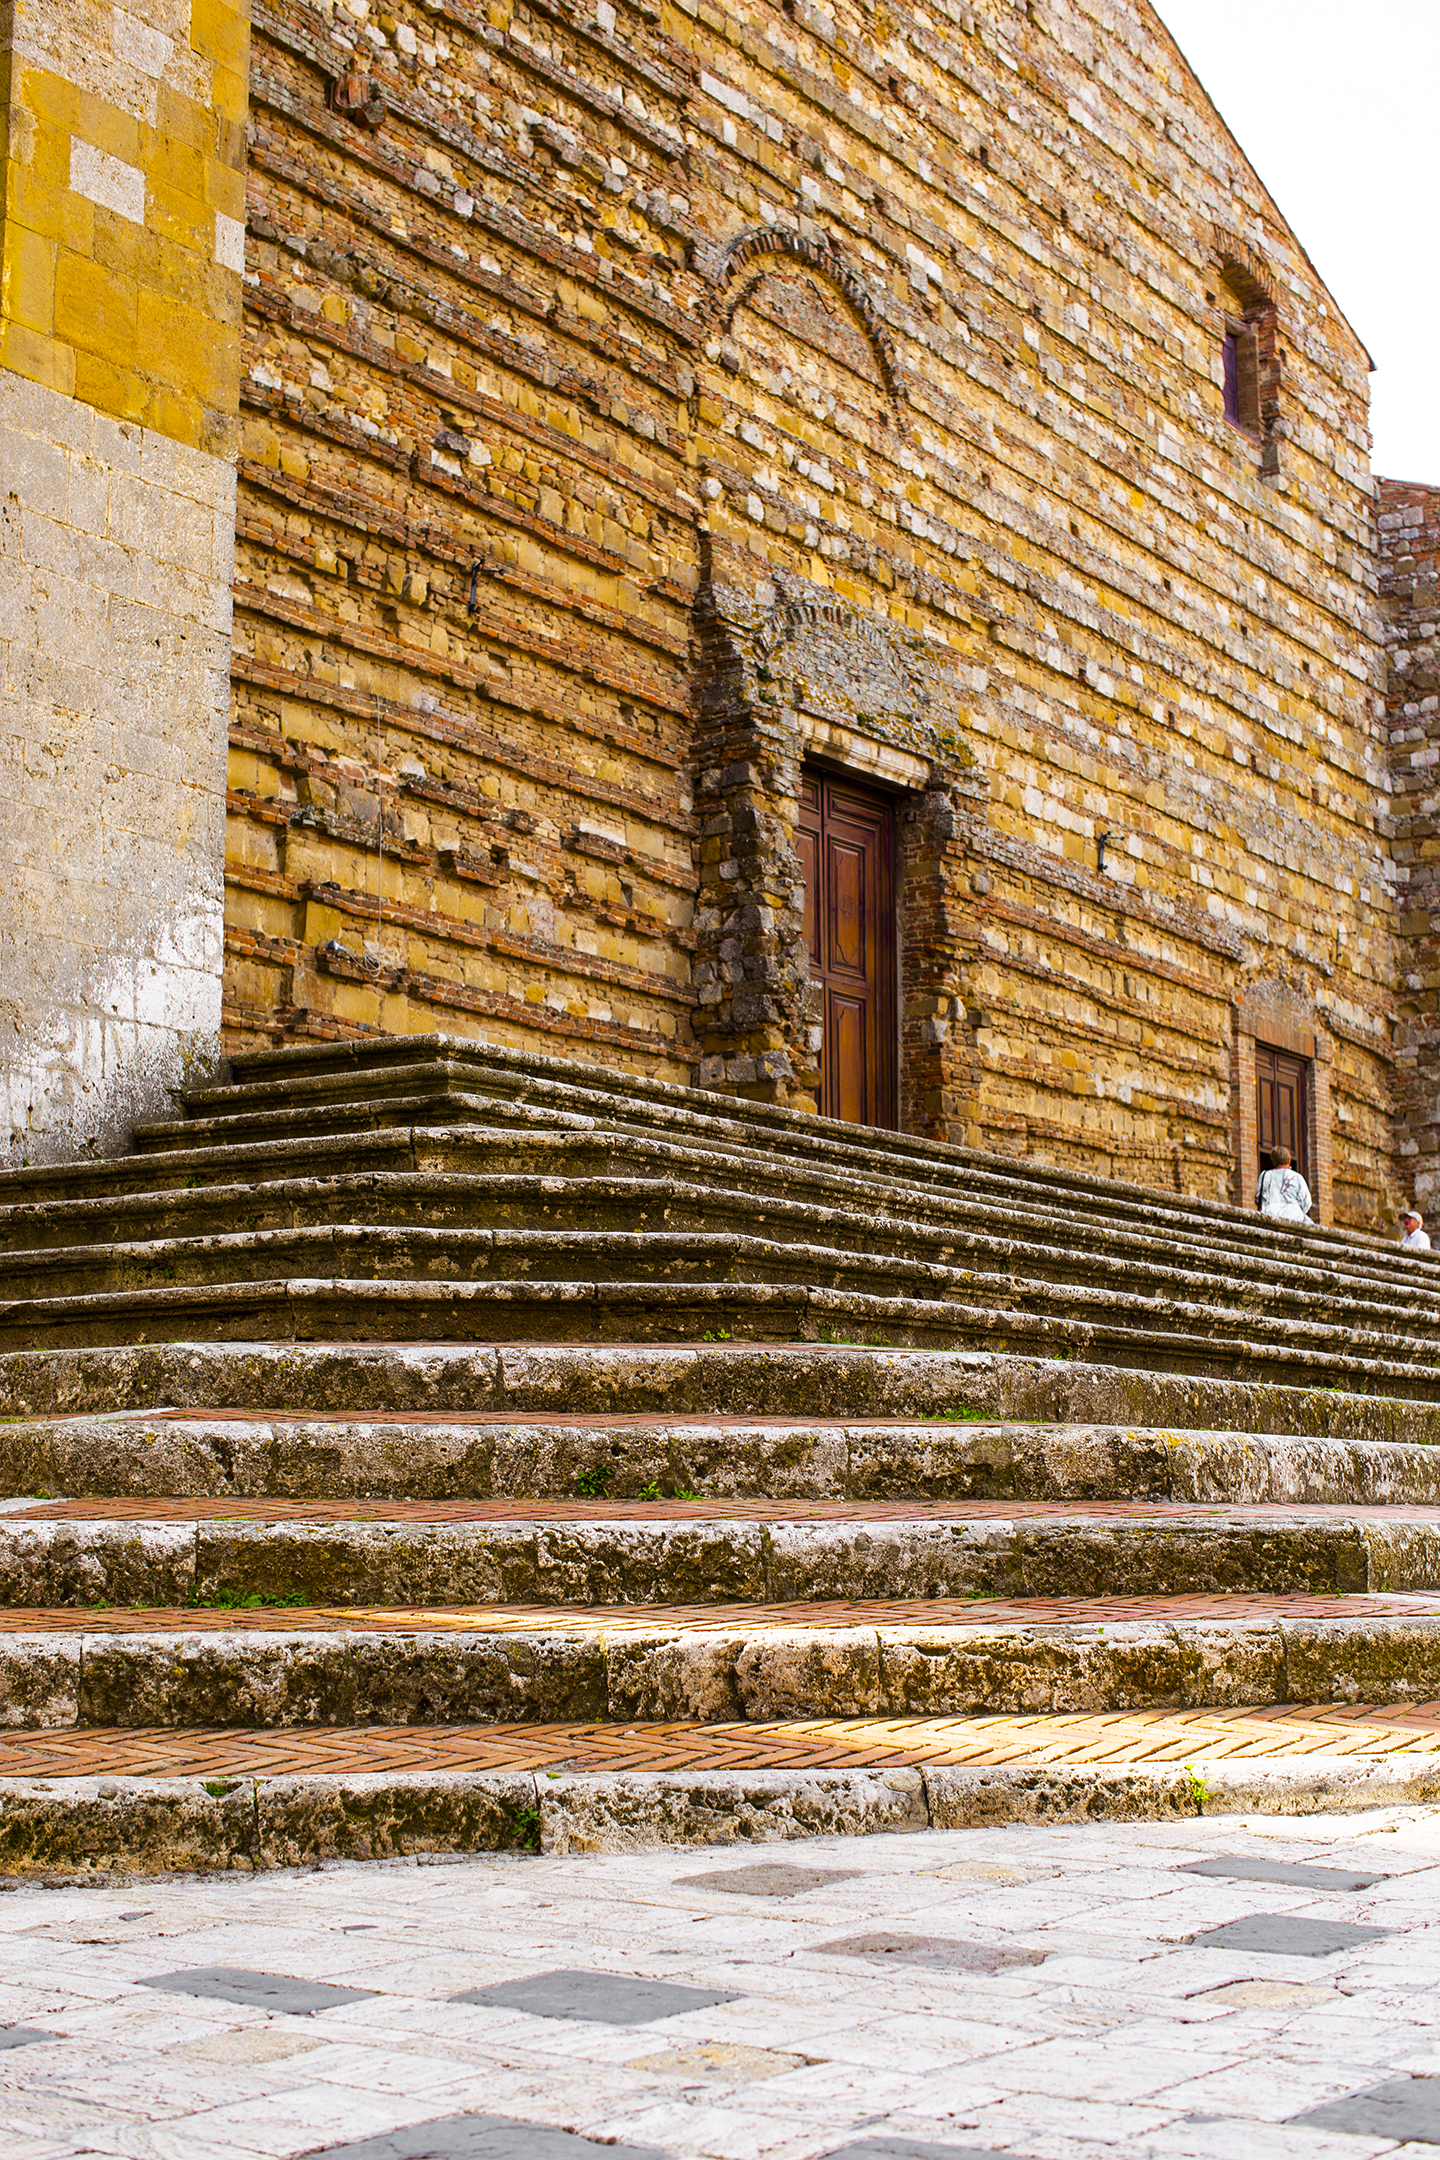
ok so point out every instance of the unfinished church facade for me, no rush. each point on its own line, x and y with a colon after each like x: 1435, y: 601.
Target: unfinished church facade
x: 827, y: 552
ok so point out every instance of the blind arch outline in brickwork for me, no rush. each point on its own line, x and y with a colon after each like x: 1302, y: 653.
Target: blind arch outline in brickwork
x: 760, y: 242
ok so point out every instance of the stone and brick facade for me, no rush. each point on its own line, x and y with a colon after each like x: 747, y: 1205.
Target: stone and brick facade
x: 641, y: 401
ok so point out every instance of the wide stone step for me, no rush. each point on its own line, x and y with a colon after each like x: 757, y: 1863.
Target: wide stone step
x: 366, y: 1554
x: 143, y: 1461
x: 798, y: 1164
x: 286, y: 1181
x: 152, y: 1801
x: 823, y: 1149
x: 904, y: 1261
x: 654, y: 1384
x: 426, y: 1222
x: 712, y: 1663
x: 1036, y: 1318
x: 340, y: 1071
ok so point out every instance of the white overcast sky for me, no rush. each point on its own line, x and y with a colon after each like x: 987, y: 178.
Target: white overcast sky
x: 1337, y: 106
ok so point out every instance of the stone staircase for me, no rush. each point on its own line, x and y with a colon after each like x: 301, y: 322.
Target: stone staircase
x: 421, y: 1444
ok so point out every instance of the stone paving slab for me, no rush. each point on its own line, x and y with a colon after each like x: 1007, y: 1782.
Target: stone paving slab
x: 1123, y: 2040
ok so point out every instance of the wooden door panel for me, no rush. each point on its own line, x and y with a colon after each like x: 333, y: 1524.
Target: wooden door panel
x: 844, y: 840
x: 845, y: 1031
x: 848, y: 871
x: 1282, y: 1118
x: 1285, y: 1119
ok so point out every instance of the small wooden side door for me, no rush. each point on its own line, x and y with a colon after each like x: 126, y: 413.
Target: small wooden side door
x: 846, y: 845
x: 1282, y: 1107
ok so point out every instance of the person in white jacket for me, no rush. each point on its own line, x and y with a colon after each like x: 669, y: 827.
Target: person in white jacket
x: 1282, y: 1193
x: 1415, y: 1237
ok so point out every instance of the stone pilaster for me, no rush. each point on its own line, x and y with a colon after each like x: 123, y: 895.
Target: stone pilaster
x: 121, y: 251
x: 757, y: 1030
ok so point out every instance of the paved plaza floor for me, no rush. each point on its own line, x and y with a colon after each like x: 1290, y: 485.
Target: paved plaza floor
x: 1245, y: 1988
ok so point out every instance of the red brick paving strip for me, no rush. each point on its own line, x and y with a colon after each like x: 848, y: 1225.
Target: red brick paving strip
x: 719, y: 1619
x: 747, y: 1510
x: 1132, y: 1737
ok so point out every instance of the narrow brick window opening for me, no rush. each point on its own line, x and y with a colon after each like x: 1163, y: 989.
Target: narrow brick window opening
x: 1242, y: 377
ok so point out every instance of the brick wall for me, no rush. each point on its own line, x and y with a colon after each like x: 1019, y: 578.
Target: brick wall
x: 1409, y: 524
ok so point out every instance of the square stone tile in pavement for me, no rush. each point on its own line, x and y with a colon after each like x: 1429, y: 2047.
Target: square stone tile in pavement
x: 1063, y: 1993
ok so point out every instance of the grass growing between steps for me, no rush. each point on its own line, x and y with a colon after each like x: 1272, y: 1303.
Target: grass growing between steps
x: 594, y: 1484
x: 220, y: 1601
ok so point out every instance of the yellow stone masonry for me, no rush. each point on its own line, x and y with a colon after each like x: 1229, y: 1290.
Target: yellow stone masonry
x: 124, y: 206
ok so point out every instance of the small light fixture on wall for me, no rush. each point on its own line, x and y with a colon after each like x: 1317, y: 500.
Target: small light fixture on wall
x: 1102, y: 841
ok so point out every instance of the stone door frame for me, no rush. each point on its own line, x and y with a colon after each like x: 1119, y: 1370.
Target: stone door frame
x: 756, y: 1020
x: 1252, y: 1023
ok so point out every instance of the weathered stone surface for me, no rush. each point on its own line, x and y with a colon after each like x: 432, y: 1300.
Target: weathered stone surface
x: 80, y: 1563
x: 134, y: 1826
x: 333, y: 1459
x: 128, y: 1826
x: 261, y: 1678
x: 787, y: 1673
x: 745, y: 1381
x: 582, y: 1814
x: 707, y: 1562
x: 300, y: 1821
x: 676, y: 1677
x: 122, y: 236
x: 258, y: 1679
x: 1408, y: 528
x: 40, y: 1680
x: 939, y: 1672
x: 1325, y: 1663
x: 959, y: 1798
x: 116, y: 545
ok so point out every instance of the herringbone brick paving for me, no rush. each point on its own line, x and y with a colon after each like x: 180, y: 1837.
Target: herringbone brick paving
x: 710, y: 1619
x: 667, y: 1510
x: 1131, y: 1737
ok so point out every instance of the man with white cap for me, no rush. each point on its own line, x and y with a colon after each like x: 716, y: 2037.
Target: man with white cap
x: 1413, y: 1235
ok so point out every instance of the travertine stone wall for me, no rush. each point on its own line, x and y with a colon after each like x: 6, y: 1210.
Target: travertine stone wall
x: 1409, y: 524
x: 115, y: 551
x: 640, y: 397
x: 121, y: 231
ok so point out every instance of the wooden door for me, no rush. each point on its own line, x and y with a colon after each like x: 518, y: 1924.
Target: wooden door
x: 846, y: 844
x: 1282, y: 1106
